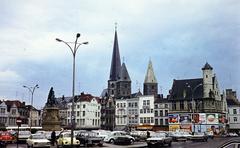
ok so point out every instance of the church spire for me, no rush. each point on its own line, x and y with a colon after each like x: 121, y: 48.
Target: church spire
x: 116, y: 62
x: 150, y: 86
x: 150, y: 77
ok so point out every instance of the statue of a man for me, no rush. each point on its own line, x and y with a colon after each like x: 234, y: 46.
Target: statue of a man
x: 51, y: 98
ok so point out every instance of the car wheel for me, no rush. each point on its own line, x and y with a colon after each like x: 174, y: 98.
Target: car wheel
x: 111, y: 141
x: 131, y: 141
x: 100, y: 144
x: 170, y: 143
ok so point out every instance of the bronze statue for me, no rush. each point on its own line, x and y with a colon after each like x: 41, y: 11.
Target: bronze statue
x: 51, y: 98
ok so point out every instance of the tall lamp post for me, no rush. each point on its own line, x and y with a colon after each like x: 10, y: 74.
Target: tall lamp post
x: 31, y: 90
x: 74, y: 51
x: 193, y: 102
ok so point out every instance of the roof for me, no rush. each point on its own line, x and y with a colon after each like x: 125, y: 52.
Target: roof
x: 207, y: 66
x: 161, y: 100
x: 124, y: 76
x: 85, y: 98
x: 116, y: 62
x: 184, y: 89
x: 150, y: 77
x: 134, y: 95
x: 233, y: 102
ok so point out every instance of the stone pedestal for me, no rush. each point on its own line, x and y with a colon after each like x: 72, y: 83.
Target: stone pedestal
x: 51, y: 120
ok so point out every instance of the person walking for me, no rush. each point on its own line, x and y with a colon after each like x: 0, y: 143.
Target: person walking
x: 53, y: 138
x: 148, y: 134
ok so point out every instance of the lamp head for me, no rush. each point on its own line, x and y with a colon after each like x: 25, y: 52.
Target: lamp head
x: 78, y: 35
x: 59, y: 40
x: 85, y: 43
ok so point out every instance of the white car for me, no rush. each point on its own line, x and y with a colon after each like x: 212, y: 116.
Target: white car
x: 115, y: 134
x: 159, y: 139
x: 65, y: 140
x: 102, y: 133
x: 38, y: 140
x: 24, y: 135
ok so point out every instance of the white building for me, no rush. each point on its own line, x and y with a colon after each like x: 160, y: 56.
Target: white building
x: 87, y: 111
x: 133, y: 111
x: 146, y: 107
x: 121, y: 114
x: 161, y: 110
x: 233, y: 111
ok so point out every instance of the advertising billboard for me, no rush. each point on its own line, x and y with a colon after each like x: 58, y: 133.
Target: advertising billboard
x: 173, y: 118
x: 185, y: 118
x: 212, y: 118
x: 202, y: 118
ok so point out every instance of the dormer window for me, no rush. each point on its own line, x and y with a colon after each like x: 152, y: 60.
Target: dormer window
x: 3, y: 110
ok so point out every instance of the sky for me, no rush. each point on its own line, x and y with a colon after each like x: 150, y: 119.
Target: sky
x: 179, y: 36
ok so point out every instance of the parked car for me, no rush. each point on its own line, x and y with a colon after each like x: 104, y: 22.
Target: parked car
x: 38, y: 140
x: 199, y: 137
x: 65, y: 140
x: 119, y: 137
x: 231, y: 144
x: 23, y: 136
x: 88, y: 138
x: 232, y: 135
x: 159, y: 139
x: 179, y: 136
x: 102, y: 133
x: 7, y: 137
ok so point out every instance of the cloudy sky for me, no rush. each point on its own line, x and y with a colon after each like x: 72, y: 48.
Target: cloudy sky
x: 179, y: 36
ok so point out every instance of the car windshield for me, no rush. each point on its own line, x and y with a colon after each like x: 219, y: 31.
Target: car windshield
x: 24, y: 133
x: 198, y: 133
x: 67, y: 135
x: 38, y: 137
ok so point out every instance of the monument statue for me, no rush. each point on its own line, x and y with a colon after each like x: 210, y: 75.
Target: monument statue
x: 51, y: 101
x: 51, y: 120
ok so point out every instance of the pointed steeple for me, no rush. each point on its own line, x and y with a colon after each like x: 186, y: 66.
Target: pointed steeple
x: 124, y: 76
x: 116, y: 61
x: 207, y: 66
x: 150, y: 77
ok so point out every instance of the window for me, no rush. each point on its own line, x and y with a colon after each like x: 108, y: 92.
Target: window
x: 166, y: 105
x: 14, y: 112
x: 174, y: 106
x: 152, y: 120
x: 156, y: 113
x: 129, y: 104
x: 136, y: 104
x: 2, y: 110
x: 148, y: 102
x: 156, y: 121
x: 151, y: 110
x: 161, y: 113
x: 78, y: 106
x: 148, y: 120
x: 77, y: 113
x: 141, y: 120
x: 234, y: 111
x: 155, y: 106
x: 141, y: 110
x: 144, y: 103
x: 95, y: 114
x: 83, y: 113
x: 84, y: 105
x: 166, y: 112
x: 235, y: 119
x: 181, y: 105
x: 161, y: 121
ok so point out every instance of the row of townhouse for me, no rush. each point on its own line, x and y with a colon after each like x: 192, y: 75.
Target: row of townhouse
x: 141, y: 112
x: 10, y: 110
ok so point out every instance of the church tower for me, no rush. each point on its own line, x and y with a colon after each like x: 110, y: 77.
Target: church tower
x: 207, y: 80
x: 150, y: 86
x: 115, y: 68
x: 124, y: 83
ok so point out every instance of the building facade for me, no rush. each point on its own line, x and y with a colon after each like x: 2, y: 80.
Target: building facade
x: 161, y: 110
x: 87, y: 112
x: 196, y: 104
x: 233, y: 111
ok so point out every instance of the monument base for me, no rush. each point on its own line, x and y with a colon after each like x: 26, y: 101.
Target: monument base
x: 51, y: 119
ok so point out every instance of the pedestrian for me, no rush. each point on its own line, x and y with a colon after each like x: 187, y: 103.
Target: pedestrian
x: 148, y: 134
x: 53, y: 137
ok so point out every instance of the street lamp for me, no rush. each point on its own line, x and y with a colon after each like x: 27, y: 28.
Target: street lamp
x: 74, y: 51
x: 193, y: 102
x: 31, y: 90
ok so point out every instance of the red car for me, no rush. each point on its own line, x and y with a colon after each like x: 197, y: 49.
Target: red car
x: 7, y: 137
